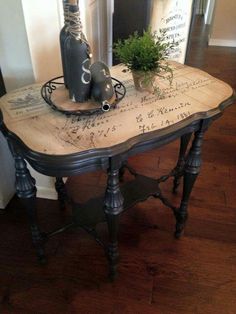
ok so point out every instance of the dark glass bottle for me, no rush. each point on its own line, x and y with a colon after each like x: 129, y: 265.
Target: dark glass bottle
x: 77, y: 57
x: 63, y: 35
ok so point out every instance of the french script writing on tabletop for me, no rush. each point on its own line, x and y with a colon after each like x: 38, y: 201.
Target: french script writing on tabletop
x: 191, y: 92
x: 25, y: 102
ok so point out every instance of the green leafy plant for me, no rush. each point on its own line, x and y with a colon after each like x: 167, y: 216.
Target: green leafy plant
x: 145, y: 53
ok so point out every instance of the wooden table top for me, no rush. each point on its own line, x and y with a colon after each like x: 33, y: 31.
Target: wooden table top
x: 192, y: 95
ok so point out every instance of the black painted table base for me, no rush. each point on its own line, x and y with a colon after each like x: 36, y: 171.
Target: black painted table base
x: 118, y: 197
x: 58, y: 145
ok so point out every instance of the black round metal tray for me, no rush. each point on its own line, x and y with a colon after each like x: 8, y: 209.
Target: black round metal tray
x: 56, y: 86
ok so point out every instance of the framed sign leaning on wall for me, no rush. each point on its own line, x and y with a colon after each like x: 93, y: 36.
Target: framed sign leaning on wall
x: 175, y: 18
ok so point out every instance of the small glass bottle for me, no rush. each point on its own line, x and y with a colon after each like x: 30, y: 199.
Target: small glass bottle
x: 77, y: 57
x: 102, y: 89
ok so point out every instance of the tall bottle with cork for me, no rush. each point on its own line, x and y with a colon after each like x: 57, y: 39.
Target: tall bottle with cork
x: 77, y: 56
x: 63, y: 36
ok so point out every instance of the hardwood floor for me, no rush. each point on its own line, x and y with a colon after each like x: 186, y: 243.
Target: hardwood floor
x: 157, y: 274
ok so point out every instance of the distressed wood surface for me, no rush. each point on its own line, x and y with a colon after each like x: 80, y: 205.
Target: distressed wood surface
x: 192, y: 93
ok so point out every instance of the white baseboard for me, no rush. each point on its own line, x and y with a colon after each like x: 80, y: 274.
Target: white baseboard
x: 42, y: 192
x: 46, y: 192
x: 222, y: 42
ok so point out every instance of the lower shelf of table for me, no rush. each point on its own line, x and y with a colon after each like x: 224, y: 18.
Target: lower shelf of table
x: 137, y: 190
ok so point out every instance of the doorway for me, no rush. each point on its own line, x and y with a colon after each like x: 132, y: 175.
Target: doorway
x: 202, y: 15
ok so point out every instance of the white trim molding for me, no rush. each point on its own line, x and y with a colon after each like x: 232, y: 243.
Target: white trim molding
x: 45, y: 185
x: 209, y: 11
x: 222, y: 42
x: 46, y: 192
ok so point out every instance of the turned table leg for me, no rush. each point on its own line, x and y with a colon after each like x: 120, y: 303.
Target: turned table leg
x: 61, y: 192
x: 191, y: 171
x: 26, y: 191
x: 184, y: 141
x: 113, y: 207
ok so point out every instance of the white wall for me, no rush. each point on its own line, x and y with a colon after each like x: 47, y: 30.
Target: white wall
x: 15, y: 58
x: 28, y: 52
x: 223, y: 28
x: 17, y: 71
x: 42, y: 23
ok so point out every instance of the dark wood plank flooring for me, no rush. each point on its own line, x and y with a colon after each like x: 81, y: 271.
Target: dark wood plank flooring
x: 158, y: 274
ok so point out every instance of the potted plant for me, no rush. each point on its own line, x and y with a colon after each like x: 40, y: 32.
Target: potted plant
x: 144, y: 56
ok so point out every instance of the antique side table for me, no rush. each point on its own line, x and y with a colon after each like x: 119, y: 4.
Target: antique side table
x: 62, y: 145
